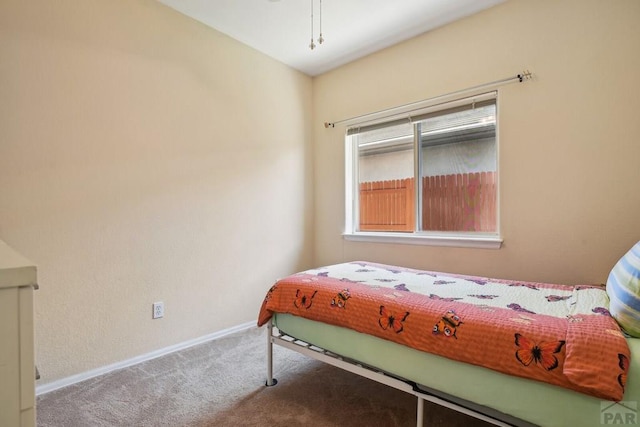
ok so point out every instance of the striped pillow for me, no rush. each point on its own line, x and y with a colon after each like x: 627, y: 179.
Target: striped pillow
x: 623, y: 288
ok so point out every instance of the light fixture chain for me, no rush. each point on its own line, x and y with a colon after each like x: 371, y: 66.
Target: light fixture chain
x: 312, y: 45
x: 320, y: 39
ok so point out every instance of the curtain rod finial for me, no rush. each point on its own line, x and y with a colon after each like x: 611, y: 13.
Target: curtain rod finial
x: 526, y: 75
x: 327, y: 125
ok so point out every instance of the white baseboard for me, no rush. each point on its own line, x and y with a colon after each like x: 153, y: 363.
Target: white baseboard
x: 64, y: 382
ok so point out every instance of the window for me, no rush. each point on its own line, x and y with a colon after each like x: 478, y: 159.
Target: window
x: 426, y: 178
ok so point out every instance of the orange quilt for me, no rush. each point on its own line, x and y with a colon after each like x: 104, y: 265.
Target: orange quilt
x: 562, y: 335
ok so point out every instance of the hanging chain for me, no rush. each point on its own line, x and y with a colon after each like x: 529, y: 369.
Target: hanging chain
x: 312, y: 45
x: 320, y: 39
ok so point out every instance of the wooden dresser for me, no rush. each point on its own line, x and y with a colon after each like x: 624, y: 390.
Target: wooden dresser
x: 17, y: 367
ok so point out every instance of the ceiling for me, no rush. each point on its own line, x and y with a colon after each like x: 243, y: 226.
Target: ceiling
x: 351, y: 28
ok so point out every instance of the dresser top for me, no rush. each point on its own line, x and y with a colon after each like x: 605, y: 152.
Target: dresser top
x: 15, y: 270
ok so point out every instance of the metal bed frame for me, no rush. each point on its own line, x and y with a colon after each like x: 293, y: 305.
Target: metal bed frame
x: 275, y: 336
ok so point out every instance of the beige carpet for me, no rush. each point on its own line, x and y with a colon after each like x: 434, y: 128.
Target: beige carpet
x: 221, y: 383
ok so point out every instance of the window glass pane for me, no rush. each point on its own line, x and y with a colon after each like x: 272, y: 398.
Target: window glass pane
x: 386, y: 179
x: 458, y: 171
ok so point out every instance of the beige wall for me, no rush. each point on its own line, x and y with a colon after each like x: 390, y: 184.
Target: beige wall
x: 145, y: 157
x: 569, y: 144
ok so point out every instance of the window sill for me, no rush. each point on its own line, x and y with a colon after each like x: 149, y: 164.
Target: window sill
x: 461, y: 241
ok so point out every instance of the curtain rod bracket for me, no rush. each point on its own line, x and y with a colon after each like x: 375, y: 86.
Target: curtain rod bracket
x: 329, y: 125
x: 526, y: 75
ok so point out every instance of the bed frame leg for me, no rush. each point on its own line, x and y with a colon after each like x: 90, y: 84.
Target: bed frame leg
x: 420, y: 416
x: 270, y: 380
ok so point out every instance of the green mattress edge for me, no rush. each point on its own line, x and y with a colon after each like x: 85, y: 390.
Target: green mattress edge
x: 532, y: 401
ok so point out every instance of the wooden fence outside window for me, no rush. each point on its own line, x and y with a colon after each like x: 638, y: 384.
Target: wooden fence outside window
x: 459, y: 202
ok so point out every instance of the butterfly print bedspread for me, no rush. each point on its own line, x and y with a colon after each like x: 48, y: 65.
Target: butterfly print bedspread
x: 562, y: 335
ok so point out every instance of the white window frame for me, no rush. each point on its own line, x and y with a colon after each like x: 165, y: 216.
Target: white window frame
x: 491, y: 240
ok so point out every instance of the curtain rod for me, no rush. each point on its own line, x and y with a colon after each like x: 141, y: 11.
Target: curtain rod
x: 525, y: 75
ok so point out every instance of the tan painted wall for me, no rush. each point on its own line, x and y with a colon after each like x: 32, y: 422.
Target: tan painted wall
x: 569, y: 144
x: 145, y: 157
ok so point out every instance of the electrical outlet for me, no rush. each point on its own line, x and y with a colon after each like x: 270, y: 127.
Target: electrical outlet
x: 158, y: 310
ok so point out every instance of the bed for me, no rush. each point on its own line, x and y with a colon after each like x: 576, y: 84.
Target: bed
x: 507, y: 352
